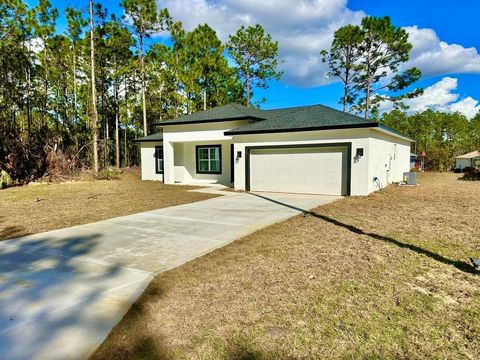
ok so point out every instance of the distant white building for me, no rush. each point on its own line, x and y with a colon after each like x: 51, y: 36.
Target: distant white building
x: 472, y: 159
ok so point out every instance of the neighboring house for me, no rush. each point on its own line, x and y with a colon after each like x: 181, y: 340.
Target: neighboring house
x: 414, y: 161
x: 307, y: 149
x: 472, y: 159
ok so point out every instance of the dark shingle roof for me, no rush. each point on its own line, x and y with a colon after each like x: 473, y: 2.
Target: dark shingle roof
x: 315, y: 117
x: 301, y: 118
x: 222, y: 113
x: 153, y: 137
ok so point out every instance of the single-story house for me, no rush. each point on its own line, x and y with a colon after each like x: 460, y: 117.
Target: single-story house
x: 472, y: 159
x: 306, y: 149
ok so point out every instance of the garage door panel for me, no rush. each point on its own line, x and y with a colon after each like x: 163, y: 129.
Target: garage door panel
x: 306, y: 170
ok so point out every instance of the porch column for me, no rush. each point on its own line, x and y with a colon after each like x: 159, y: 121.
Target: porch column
x: 168, y: 164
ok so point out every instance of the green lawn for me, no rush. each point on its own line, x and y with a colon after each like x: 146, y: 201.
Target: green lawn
x: 383, y: 276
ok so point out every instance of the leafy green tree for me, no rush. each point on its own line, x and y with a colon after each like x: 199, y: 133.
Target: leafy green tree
x: 256, y: 57
x: 118, y: 43
x: 441, y: 135
x: 75, y: 25
x: 94, y: 91
x: 208, y: 79
x: 44, y: 30
x: 475, y: 131
x: 343, y: 60
x: 384, y: 48
x: 144, y: 19
x: 162, y: 83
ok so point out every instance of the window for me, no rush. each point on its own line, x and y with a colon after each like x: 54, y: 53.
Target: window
x: 209, y: 159
x: 159, y: 159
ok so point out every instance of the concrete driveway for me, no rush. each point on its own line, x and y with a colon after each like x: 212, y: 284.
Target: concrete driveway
x: 61, y: 292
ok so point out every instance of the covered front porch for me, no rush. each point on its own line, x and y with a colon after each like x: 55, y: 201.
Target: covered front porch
x: 199, y: 162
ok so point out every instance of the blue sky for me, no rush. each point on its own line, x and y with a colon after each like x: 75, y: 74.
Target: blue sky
x: 443, y: 33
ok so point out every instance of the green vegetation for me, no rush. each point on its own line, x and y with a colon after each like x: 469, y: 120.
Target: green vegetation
x: 441, y: 135
x: 366, y: 59
x: 5, y: 179
x: 84, y: 95
x: 255, y: 54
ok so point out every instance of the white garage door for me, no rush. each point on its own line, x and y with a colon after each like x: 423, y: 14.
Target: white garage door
x: 314, y: 170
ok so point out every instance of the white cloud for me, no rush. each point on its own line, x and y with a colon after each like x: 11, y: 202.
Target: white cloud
x: 468, y: 107
x: 305, y: 27
x: 440, y: 97
x: 302, y: 28
x: 435, y: 57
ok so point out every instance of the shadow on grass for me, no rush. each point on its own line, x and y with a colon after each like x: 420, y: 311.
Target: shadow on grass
x: 8, y: 232
x: 461, y: 265
x: 148, y: 349
x: 143, y: 347
x: 12, y: 232
x: 140, y: 344
x: 244, y: 351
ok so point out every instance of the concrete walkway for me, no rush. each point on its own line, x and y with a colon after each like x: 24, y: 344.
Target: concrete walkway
x: 61, y: 292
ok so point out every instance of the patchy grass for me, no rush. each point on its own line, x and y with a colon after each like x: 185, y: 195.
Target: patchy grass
x: 41, y: 207
x: 383, y: 276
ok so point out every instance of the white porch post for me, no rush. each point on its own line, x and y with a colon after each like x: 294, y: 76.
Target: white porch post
x: 168, y: 164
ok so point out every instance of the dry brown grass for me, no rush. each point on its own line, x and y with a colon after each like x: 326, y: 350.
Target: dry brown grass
x: 383, y: 276
x: 41, y: 207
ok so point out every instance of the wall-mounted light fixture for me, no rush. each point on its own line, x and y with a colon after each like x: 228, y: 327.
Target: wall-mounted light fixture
x: 358, y: 155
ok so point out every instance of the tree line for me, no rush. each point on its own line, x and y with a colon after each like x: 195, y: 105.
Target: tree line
x: 442, y: 136
x: 77, y: 99
x: 369, y: 60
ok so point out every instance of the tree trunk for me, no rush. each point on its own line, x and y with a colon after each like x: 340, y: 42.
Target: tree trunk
x: 45, y: 85
x: 367, y: 100
x: 345, y: 90
x: 117, y: 121
x: 345, y: 97
x: 369, y: 80
x: 94, y: 93
x: 126, y: 147
x: 126, y: 124
x: 29, y: 85
x: 74, y: 85
x: 247, y: 83
x: 142, y: 74
x: 56, y: 108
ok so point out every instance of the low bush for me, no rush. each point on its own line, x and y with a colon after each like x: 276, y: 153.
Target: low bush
x: 5, y: 180
x: 108, y: 174
x: 472, y: 175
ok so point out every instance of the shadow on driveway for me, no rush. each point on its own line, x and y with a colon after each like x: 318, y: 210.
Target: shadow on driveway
x: 53, y: 300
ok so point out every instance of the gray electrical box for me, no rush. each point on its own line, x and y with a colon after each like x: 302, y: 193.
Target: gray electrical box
x: 410, y: 178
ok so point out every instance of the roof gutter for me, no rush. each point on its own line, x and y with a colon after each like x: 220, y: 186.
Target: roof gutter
x: 147, y: 140
x: 388, y: 130
x: 299, y: 129
x: 378, y: 126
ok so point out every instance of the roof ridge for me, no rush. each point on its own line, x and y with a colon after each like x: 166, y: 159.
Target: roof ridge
x: 328, y: 108
x: 294, y: 107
